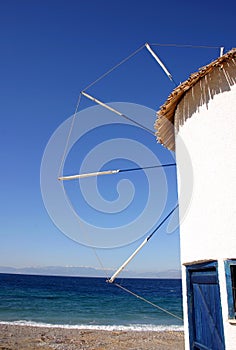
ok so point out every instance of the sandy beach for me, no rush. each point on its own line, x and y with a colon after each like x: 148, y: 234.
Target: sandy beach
x: 19, y: 337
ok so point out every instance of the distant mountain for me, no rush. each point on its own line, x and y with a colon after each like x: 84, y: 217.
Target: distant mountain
x: 55, y: 270
x: 174, y: 273
x: 85, y: 271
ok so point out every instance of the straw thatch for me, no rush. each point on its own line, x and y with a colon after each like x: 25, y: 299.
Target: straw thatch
x: 209, y: 80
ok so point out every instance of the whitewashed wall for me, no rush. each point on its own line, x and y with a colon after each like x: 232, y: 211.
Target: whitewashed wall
x: 209, y: 228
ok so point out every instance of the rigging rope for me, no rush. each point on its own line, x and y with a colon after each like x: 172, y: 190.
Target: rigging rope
x: 139, y: 49
x: 114, y: 67
x: 68, y: 137
x: 191, y: 46
x: 147, y: 301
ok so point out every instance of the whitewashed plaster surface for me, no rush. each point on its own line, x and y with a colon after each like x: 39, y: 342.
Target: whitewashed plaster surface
x: 208, y: 230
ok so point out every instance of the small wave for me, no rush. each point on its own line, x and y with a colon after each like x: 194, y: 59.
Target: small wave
x: 131, y: 327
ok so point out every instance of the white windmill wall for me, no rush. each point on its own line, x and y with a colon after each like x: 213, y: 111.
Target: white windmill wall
x: 208, y: 230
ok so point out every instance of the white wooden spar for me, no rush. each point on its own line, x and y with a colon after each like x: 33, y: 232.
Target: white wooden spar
x: 80, y: 176
x: 113, y: 277
x: 101, y: 103
x: 154, y: 55
x: 116, y: 112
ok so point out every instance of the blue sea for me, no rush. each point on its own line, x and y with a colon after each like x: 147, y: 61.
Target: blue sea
x: 89, y: 303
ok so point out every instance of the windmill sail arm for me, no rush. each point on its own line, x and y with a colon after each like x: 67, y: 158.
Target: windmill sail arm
x: 113, y: 277
x: 80, y: 176
x: 121, y: 268
x: 101, y: 103
x: 154, y: 55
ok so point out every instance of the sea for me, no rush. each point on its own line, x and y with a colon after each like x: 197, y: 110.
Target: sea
x: 90, y: 303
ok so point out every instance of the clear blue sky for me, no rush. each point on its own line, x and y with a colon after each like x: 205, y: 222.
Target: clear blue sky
x: 51, y: 50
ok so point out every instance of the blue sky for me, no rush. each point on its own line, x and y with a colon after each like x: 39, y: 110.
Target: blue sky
x: 50, y: 51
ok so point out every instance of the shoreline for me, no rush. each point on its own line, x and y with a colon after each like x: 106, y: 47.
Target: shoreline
x: 97, y: 327
x: 32, y: 337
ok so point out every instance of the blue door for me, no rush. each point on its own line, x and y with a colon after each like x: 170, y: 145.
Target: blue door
x: 204, y: 308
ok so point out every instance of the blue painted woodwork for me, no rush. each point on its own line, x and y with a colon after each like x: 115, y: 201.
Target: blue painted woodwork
x: 204, y: 307
x: 230, y: 294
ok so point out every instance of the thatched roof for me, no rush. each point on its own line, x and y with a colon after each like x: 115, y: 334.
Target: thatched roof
x: 165, y: 123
